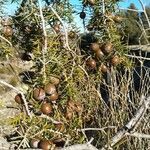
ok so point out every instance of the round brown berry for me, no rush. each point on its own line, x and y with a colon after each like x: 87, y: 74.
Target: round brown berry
x: 46, y: 108
x: 107, y: 48
x: 99, y: 54
x: 45, y: 144
x: 91, y: 63
x: 50, y: 88
x: 103, y: 68
x: 18, y: 99
x: 38, y: 94
x: 115, y: 60
x: 54, y: 96
x: 94, y: 47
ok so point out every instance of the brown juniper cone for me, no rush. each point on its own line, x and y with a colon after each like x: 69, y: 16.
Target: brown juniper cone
x: 34, y: 143
x: 8, y: 31
x: 99, y: 54
x: 46, y: 108
x: 89, y: 2
x: 54, y: 80
x: 39, y: 94
x: 50, y: 88
x: 60, y: 127
x: 115, y: 60
x: 18, y: 99
x: 69, y: 114
x: 45, y: 144
x: 75, y: 106
x: 91, y: 63
x: 94, y: 47
x: 107, y: 48
x: 54, y: 96
x: 103, y: 68
x: 57, y: 28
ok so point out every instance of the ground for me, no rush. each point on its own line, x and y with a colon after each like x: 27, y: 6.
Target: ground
x: 9, y: 71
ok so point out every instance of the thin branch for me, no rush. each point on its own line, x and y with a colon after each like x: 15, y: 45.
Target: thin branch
x: 97, y: 129
x: 141, y: 26
x: 138, y: 57
x: 22, y: 95
x: 84, y: 71
x: 131, y: 125
x: 44, y: 48
x: 90, y: 141
x: 24, y: 138
x: 50, y: 119
x: 6, y: 40
x: 135, y: 10
x: 139, y: 114
x: 64, y: 28
x: 139, y: 135
x: 139, y: 47
x: 144, y: 10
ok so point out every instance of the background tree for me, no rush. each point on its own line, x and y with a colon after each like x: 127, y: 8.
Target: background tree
x: 145, y: 39
x: 134, y: 22
x: 131, y: 29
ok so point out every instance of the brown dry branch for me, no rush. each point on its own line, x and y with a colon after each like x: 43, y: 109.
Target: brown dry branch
x: 131, y: 125
x: 22, y: 95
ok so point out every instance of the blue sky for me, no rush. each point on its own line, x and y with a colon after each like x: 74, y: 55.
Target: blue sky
x: 126, y: 3
x: 123, y: 4
x: 10, y: 8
